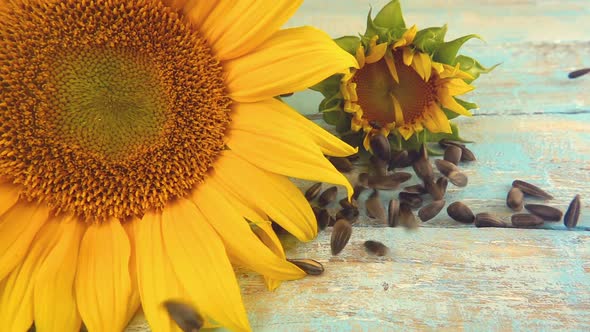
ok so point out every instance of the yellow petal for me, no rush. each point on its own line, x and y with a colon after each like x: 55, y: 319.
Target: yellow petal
x: 438, y: 116
x: 103, y: 264
x: 247, y: 211
x: 391, y: 66
x: 197, y: 10
x: 397, y: 111
x: 376, y: 53
x: 406, y: 132
x: 18, y: 227
x: 289, y: 154
x: 134, y: 298
x: 290, y: 60
x: 407, y: 55
x: 201, y: 264
x: 235, y: 28
x: 156, y: 278
x: 457, y: 87
x: 360, y: 56
x: 55, y: 280
x: 426, y: 65
x: 240, y: 242
x: 272, y: 114
x: 8, y: 196
x: 268, y: 236
x: 450, y: 103
x: 16, y: 291
x: 274, y: 194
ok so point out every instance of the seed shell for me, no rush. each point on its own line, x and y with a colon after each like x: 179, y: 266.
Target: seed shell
x: 341, y: 164
x: 412, y: 199
x: 434, y: 190
x: 383, y: 182
x: 526, y: 220
x: 417, y: 189
x: 323, y: 218
x: 399, y: 159
x: 187, y: 318
x: 570, y: 220
x: 431, y: 210
x: 578, y: 73
x: 442, y: 183
x: 459, y: 179
x: 393, y: 213
x: 344, y: 203
x: 378, y: 166
x: 515, y: 199
x: 340, y: 236
x: 406, y: 216
x: 309, y: 266
x: 460, y: 212
x: 467, y: 155
x: 548, y: 213
x: 531, y: 189
x: 485, y: 219
x: 380, y: 147
x: 376, y: 248
x: 328, y: 196
x: 423, y: 169
x: 313, y: 191
x: 375, y: 208
x: 401, y: 176
x: 453, y: 154
x: 349, y: 213
x: 446, y: 167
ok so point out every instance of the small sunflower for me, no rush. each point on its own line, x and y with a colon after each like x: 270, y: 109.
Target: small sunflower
x: 406, y: 83
x: 142, y: 155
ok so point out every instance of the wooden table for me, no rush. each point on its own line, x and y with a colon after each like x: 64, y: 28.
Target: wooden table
x: 533, y: 124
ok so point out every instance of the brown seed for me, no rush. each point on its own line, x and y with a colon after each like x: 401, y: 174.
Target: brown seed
x: 399, y: 159
x: 412, y: 199
x: 401, y: 176
x: 331, y: 221
x: 363, y: 180
x: 375, y: 208
x: 423, y: 152
x: 446, y: 142
x: 358, y: 189
x: 467, y: 155
x: 578, y: 73
x: 446, y: 167
x: 548, y: 213
x: 313, y: 191
x: 185, y: 316
x: 380, y: 147
x: 460, y: 212
x: 383, y: 182
x: 344, y: 203
x: 431, y: 210
x: 349, y: 213
x: 459, y: 179
x: 434, y: 190
x: 378, y: 166
x: 406, y: 217
x: 328, y: 196
x: 340, y: 236
x: 531, y: 189
x: 376, y: 248
x: 453, y: 154
x: 393, y: 213
x: 341, y: 164
x: 353, y: 157
x: 417, y: 188
x: 309, y: 266
x: 423, y: 169
x: 526, y: 220
x: 570, y: 220
x: 515, y: 199
x: 442, y: 183
x: 323, y: 218
x: 487, y: 220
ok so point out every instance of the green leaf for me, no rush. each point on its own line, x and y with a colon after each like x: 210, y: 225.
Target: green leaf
x: 472, y: 66
x: 466, y: 104
x: 331, y: 103
x: 435, y: 137
x: 429, y: 39
x: 328, y: 87
x: 450, y: 114
x: 348, y: 43
x: 447, y: 52
x: 340, y: 119
x: 390, y: 16
x: 373, y: 30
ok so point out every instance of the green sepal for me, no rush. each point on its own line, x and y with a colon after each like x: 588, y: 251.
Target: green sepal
x: 328, y: 87
x: 331, y: 103
x: 354, y: 139
x: 467, y: 105
x: 453, y: 136
x: 339, y: 119
x: 446, y: 52
x: 472, y: 66
x: 390, y: 16
x: 429, y: 39
x: 373, y: 30
x: 348, y: 43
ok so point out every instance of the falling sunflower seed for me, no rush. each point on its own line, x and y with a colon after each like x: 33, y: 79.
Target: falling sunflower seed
x: 376, y: 248
x: 417, y: 188
x: 401, y: 176
x: 431, y: 210
x: 570, y: 220
x: 460, y: 212
x: 485, y: 219
x: 444, y: 143
x: 378, y: 166
x: 548, y: 213
x: 328, y: 196
x: 453, y: 154
x: 526, y: 220
x: 531, y: 189
x: 467, y: 155
x: 459, y: 179
x: 309, y: 266
x: 442, y: 183
x: 323, y: 218
x: 578, y: 73
x: 406, y: 216
x: 345, y: 203
x: 434, y: 190
x: 363, y: 180
x: 313, y: 191
x: 383, y: 182
x: 412, y: 199
x: 380, y: 147
x: 341, y: 164
x: 393, y: 213
x: 374, y: 207
x: 349, y: 213
x: 340, y: 236
x: 358, y: 190
x: 399, y: 159
x: 515, y: 199
x: 446, y: 167
x: 423, y: 169
x: 187, y: 318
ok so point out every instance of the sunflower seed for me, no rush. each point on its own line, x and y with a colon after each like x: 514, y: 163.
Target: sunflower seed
x: 313, y: 191
x: 423, y: 152
x: 434, y: 190
x: 548, y: 213
x: 515, y: 199
x: 376, y: 248
x: 184, y: 315
x: 417, y: 188
x: 378, y: 166
x: 446, y: 167
x: 442, y: 183
x: 467, y: 155
x: 340, y: 236
x: 353, y: 157
x: 358, y: 189
x: 349, y: 213
x: 393, y: 213
x: 431, y: 210
x: 341, y: 164
x: 383, y: 182
x: 412, y: 199
x: 531, y: 189
x: 399, y: 159
x: 460, y: 212
x: 407, y: 217
x: 453, y: 154
x: 309, y: 266
x: 331, y: 221
x: 570, y: 220
x: 578, y: 73
x: 380, y: 147
x: 374, y: 207
x: 323, y: 218
x: 526, y: 220
x: 401, y: 176
x: 485, y: 219
x: 328, y: 196
x: 444, y: 143
x: 459, y: 179
x: 363, y: 180
x: 344, y: 203
x: 423, y: 169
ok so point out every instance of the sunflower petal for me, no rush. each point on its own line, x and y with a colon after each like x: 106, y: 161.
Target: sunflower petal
x: 376, y: 53
x: 449, y: 102
x: 406, y: 132
x: 103, y: 264
x: 407, y: 56
x: 438, y: 116
x: 457, y: 87
x: 391, y: 66
x: 235, y: 28
x: 268, y: 236
x: 8, y: 196
x: 272, y: 193
x: 55, y: 280
x: 240, y: 242
x: 201, y: 264
x: 18, y: 227
x: 134, y: 299
x: 290, y: 60
x: 196, y: 10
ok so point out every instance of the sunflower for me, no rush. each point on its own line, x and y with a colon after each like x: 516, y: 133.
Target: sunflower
x: 142, y: 155
x: 406, y: 81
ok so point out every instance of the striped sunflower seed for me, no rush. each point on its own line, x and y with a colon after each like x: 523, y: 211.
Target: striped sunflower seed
x: 313, y: 191
x: 340, y: 236
x: 376, y: 248
x: 526, y: 220
x: 531, y: 189
x: 185, y: 316
x: 328, y: 196
x: 515, y: 199
x: 485, y: 219
x: 309, y: 266
x: 570, y: 220
x: 431, y: 210
x: 548, y: 213
x: 393, y: 213
x: 460, y: 212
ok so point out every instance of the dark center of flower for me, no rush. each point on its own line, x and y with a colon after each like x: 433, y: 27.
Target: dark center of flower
x: 107, y: 108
